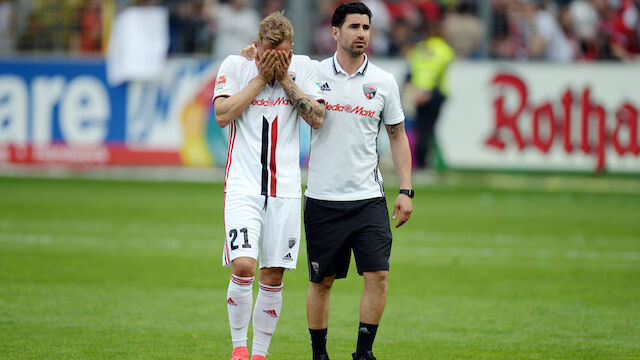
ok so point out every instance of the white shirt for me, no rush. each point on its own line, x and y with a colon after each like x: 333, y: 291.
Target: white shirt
x: 236, y: 29
x: 558, y: 46
x: 138, y: 45
x: 343, y: 164
x: 264, y: 142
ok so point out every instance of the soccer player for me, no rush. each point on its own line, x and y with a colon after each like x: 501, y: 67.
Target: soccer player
x: 261, y: 101
x: 345, y: 208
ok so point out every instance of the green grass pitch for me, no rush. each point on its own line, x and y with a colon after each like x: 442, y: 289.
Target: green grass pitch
x: 131, y: 270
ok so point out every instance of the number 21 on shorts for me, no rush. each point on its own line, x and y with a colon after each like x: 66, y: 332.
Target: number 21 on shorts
x: 233, y: 235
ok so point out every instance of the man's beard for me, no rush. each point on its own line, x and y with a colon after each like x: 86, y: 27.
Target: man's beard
x: 354, y: 51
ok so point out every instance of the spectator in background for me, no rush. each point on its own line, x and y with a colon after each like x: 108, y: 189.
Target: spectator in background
x: 565, y: 20
x: 603, y: 46
x: 500, y: 29
x: 323, y: 43
x: 584, y: 21
x: 34, y: 36
x: 381, y: 27
x: 89, y: 23
x: 188, y: 26
x: 48, y: 27
x: 236, y: 26
x: 138, y: 43
x: 463, y: 28
x: 428, y: 63
x: 7, y: 25
x: 622, y: 30
x: 410, y: 13
x: 270, y: 6
x: 400, y: 38
x: 547, y: 40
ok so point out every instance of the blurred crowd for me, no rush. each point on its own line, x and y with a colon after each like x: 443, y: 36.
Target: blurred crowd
x: 553, y: 30
x: 565, y: 30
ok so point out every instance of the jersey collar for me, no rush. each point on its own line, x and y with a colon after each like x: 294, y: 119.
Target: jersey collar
x: 337, y: 69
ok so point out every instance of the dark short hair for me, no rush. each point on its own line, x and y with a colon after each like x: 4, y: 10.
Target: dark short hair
x: 347, y: 8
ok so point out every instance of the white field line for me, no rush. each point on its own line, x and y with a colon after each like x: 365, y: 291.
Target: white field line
x: 108, y: 241
x: 424, y: 251
x: 506, y: 238
x: 93, y: 226
x: 214, y: 231
x: 542, y: 254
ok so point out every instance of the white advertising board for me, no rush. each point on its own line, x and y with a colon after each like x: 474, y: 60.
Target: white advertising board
x: 542, y: 117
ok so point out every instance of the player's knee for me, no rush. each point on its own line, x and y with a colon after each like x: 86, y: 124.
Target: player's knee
x: 244, y: 267
x: 377, y: 280
x: 271, y: 276
x: 324, y: 285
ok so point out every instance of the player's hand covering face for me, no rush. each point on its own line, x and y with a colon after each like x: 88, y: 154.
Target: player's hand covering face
x: 267, y: 64
x: 267, y: 58
x: 282, y: 65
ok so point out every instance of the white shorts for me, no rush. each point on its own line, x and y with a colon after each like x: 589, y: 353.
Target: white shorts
x: 272, y: 233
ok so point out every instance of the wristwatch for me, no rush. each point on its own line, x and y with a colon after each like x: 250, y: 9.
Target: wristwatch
x: 408, y: 192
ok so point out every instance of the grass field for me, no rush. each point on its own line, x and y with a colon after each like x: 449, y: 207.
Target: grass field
x: 131, y: 270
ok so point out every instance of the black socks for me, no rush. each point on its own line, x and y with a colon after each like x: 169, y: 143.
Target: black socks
x: 366, y: 335
x: 318, y: 343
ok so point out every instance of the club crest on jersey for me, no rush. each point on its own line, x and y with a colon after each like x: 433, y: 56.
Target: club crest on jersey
x: 220, y: 82
x: 369, y: 91
x: 292, y: 241
x: 292, y: 75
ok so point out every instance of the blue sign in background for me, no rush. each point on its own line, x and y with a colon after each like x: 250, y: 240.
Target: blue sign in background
x: 30, y: 69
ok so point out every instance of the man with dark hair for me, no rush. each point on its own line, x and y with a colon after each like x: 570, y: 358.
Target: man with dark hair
x: 345, y: 208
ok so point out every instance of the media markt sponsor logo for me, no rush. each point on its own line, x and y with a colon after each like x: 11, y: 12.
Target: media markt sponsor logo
x: 358, y: 110
x: 271, y: 102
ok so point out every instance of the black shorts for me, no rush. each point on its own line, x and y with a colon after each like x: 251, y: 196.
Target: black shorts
x: 334, y: 228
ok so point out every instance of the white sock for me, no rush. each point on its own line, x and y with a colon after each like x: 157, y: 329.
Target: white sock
x: 239, y: 302
x: 265, y: 317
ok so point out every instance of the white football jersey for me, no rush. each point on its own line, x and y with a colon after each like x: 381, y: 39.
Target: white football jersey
x: 264, y: 142
x: 343, y: 160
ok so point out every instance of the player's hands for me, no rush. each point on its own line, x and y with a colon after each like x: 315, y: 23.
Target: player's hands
x: 267, y: 65
x: 282, y: 65
x: 249, y: 52
x: 402, y: 209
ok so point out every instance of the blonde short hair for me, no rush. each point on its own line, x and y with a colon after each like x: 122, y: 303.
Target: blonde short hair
x: 276, y: 29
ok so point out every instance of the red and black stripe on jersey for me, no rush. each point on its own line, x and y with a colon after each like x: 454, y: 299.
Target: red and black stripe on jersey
x: 268, y: 157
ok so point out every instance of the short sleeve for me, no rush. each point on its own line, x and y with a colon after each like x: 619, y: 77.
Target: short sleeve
x: 227, y: 79
x: 310, y: 85
x: 392, y: 112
